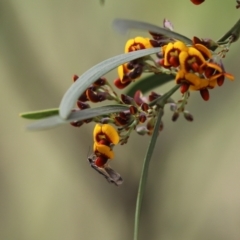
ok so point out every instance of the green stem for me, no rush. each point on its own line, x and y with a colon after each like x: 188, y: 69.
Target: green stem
x: 143, y: 178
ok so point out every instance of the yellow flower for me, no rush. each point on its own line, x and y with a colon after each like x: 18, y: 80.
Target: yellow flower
x: 105, y: 134
x: 192, y: 60
x: 137, y: 44
x: 171, y: 53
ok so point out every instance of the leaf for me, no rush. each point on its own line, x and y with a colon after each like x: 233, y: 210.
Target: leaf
x: 90, y: 76
x: 54, y: 121
x: 147, y: 159
x: 123, y: 25
x: 149, y: 83
x: 39, y: 114
x: 234, y: 31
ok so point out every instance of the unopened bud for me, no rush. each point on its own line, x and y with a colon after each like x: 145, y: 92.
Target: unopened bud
x: 175, y: 116
x: 188, y: 116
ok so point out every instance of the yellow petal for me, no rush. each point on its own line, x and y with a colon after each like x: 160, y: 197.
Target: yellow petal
x: 166, y: 52
x: 103, y: 149
x: 138, y: 43
x: 229, y: 76
x: 194, y: 52
x: 111, y: 133
x: 212, y: 83
x: 183, y: 56
x: 120, y: 71
x: 97, y: 130
x: 180, y: 76
x: 215, y: 66
x: 203, y: 84
x: 205, y: 51
x: 180, y: 46
x: 143, y: 41
x: 129, y: 43
x: 193, y: 79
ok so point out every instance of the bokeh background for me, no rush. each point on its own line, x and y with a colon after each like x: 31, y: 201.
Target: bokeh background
x: 47, y: 189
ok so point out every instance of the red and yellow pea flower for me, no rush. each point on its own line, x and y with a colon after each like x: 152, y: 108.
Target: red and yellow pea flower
x: 171, y: 53
x: 105, y: 137
x: 132, y: 70
x: 137, y: 43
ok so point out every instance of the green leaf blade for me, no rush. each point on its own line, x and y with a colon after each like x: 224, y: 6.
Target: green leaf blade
x: 40, y: 114
x: 90, y: 76
x: 148, y: 83
x: 123, y: 25
x: 79, y: 115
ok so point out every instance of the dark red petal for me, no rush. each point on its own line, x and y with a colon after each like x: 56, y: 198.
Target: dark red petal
x: 100, y: 161
x: 205, y: 94
x: 184, y: 87
x: 220, y: 80
x: 92, y: 96
x: 119, y: 84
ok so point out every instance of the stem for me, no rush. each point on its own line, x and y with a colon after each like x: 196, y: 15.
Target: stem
x: 146, y: 162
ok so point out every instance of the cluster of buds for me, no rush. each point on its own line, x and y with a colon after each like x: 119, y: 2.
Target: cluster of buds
x: 140, y: 116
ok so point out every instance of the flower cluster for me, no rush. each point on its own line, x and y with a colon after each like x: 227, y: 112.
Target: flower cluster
x: 194, y: 65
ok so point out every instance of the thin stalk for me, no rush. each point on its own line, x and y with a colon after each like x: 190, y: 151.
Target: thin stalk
x: 146, y: 162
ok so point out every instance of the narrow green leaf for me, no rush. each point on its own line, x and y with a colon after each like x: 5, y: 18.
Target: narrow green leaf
x: 123, y: 25
x: 148, y: 83
x: 39, y: 114
x: 54, y: 121
x: 147, y: 159
x: 234, y: 31
x: 99, y: 70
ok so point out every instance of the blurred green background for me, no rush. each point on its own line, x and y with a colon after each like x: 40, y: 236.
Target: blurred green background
x: 47, y: 189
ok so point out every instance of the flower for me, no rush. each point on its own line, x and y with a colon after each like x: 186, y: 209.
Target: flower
x: 137, y: 43
x: 105, y: 134
x: 171, y: 53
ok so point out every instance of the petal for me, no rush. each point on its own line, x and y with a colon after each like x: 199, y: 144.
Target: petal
x: 121, y: 71
x: 103, y: 149
x: 119, y: 84
x: 137, y: 44
x: 205, y: 51
x: 213, y: 83
x: 203, y: 84
x: 180, y: 46
x: 97, y: 130
x: 143, y: 41
x: 183, y: 56
x: 166, y: 51
x: 229, y: 76
x: 128, y: 45
x: 194, y: 52
x: 110, y: 133
x: 214, y: 66
x: 193, y: 79
x: 179, y: 77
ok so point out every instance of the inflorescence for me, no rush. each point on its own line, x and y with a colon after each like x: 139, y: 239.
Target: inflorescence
x: 195, y: 67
